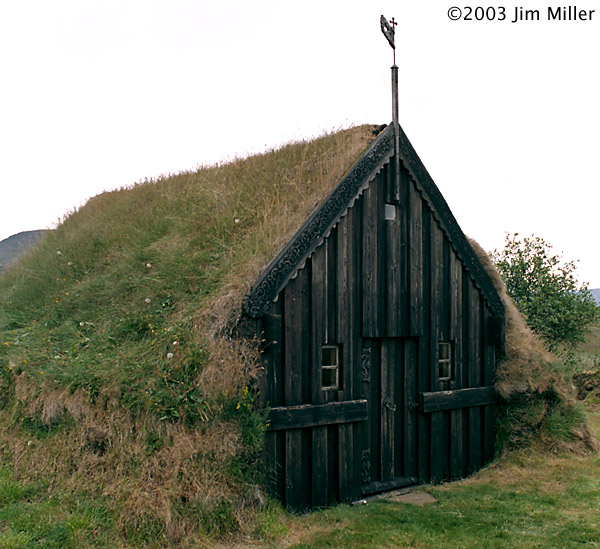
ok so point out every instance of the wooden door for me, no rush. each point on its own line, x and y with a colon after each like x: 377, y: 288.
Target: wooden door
x: 389, y: 377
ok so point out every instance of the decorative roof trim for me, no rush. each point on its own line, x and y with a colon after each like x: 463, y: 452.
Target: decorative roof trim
x: 442, y: 212
x: 319, y: 223
x: 312, y: 232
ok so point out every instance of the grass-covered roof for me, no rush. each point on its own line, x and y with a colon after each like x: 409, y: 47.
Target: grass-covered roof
x: 113, y: 332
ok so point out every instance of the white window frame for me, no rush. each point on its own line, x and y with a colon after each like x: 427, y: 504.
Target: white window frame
x: 332, y: 367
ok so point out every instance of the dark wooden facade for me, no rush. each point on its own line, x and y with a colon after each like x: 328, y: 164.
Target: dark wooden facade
x: 381, y: 333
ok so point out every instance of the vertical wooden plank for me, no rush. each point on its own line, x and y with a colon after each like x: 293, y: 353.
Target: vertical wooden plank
x: 333, y: 460
x: 354, y: 345
x: 296, y: 337
x: 436, y: 326
x: 391, y: 262
x: 345, y: 454
x: 365, y: 429
x: 381, y: 260
x: 273, y: 353
x: 444, y: 335
x: 375, y: 404
x: 348, y: 487
x: 388, y: 409
x: 455, y: 323
x: 318, y: 314
x: 273, y: 395
x: 424, y: 420
x: 400, y: 415
x: 415, y: 262
x: 332, y: 296
x: 394, y: 262
x: 489, y: 363
x: 456, y: 335
x: 331, y: 333
x: 475, y: 378
x: 410, y: 400
x: 343, y: 306
x: 362, y: 358
x: 296, y: 496
x: 370, y: 258
x: 465, y: 365
x: 404, y: 221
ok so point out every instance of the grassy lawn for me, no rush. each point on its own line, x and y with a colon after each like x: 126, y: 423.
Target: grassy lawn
x: 30, y: 518
x: 528, y: 499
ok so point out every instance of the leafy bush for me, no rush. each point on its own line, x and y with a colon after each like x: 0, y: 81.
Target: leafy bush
x: 546, y: 291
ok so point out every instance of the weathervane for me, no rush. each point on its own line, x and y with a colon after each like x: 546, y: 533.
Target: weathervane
x: 389, y: 31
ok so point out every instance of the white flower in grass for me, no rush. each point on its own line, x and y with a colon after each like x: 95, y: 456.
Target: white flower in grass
x: 175, y: 342
x: 58, y: 253
x: 147, y: 300
x: 169, y: 355
x: 148, y: 265
x: 82, y: 323
x: 236, y: 220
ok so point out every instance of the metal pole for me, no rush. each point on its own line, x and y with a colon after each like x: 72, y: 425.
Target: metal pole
x: 396, y: 187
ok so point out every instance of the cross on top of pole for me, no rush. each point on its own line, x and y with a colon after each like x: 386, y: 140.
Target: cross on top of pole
x: 389, y: 31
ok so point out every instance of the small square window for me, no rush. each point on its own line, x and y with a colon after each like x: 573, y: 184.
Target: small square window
x: 390, y: 212
x: 330, y: 366
x: 444, y: 361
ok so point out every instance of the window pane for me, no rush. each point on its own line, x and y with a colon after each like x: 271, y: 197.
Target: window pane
x: 330, y: 363
x: 329, y: 356
x: 444, y: 361
x: 329, y: 378
x: 390, y: 212
x: 443, y: 351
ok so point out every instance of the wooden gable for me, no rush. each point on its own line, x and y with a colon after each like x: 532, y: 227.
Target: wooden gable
x: 391, y: 291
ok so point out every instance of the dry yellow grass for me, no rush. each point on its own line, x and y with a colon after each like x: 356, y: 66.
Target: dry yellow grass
x: 88, y: 303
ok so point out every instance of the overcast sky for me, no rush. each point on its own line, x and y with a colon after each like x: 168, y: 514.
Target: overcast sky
x: 96, y: 95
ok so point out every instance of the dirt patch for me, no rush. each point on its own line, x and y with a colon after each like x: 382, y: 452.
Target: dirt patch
x: 413, y: 497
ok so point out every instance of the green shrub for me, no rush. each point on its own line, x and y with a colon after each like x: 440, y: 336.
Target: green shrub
x: 546, y: 291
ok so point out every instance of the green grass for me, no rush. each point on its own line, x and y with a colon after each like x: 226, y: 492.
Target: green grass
x: 119, y: 380
x: 127, y: 293
x: 526, y: 500
x: 31, y: 518
x: 481, y: 515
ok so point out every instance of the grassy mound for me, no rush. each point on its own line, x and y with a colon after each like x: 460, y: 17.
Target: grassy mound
x: 120, y: 381
x: 539, y: 404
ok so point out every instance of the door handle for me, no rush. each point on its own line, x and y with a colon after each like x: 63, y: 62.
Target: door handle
x: 390, y: 405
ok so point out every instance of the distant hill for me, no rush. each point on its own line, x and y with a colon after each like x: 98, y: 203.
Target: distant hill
x: 13, y: 246
x: 596, y: 293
